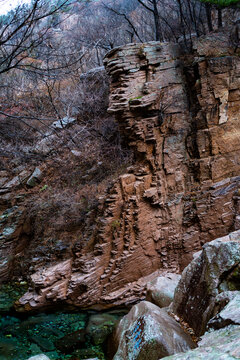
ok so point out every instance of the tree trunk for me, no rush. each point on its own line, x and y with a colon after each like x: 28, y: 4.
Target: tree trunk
x: 220, y: 24
x: 209, y: 16
x: 158, y: 33
x: 182, y: 23
x: 192, y: 14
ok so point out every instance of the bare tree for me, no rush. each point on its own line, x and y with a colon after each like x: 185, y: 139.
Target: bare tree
x: 218, y: 6
x: 152, y: 7
x: 133, y: 30
x: 23, y: 30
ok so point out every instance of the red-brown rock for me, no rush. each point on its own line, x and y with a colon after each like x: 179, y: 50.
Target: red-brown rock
x: 182, y: 121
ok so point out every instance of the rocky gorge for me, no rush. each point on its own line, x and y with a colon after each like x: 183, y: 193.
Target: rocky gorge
x: 205, y: 302
x: 179, y: 113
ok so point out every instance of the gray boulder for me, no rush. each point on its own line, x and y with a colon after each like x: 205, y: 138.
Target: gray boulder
x: 220, y: 344
x: 214, y: 271
x: 46, y: 145
x: 35, y: 178
x: 63, y: 123
x: 230, y: 313
x: 160, y: 291
x: 146, y: 330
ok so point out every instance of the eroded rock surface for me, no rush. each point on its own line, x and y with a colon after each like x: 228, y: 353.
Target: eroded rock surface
x: 219, y: 344
x: 214, y: 271
x: 230, y: 313
x: 14, y: 235
x: 181, y: 118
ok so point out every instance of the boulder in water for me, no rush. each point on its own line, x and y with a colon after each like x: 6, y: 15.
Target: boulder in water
x: 148, y: 330
x: 72, y: 341
x: 100, y: 326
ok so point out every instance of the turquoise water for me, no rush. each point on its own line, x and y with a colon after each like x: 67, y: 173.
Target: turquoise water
x: 60, y: 335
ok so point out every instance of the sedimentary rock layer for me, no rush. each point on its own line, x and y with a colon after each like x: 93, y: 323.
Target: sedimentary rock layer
x: 181, y: 118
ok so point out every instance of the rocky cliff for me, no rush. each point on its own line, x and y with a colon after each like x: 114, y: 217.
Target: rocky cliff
x: 180, y: 115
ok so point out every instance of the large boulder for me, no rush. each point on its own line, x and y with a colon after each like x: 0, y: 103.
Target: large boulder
x: 219, y: 344
x: 160, y: 291
x: 214, y: 271
x: 230, y: 314
x: 147, y: 329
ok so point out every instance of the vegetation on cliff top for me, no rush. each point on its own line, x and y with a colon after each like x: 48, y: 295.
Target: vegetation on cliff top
x: 222, y: 3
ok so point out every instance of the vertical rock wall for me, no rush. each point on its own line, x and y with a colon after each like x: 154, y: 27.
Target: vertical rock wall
x: 181, y: 118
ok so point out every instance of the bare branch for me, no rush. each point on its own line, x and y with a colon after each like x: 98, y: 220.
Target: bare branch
x: 126, y: 18
x: 146, y: 7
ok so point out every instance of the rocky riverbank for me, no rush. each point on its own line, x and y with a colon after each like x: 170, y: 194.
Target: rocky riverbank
x: 206, y: 303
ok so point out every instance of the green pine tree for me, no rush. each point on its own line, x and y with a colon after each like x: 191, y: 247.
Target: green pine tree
x: 222, y: 3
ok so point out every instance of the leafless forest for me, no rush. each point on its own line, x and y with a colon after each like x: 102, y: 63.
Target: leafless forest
x: 51, y: 56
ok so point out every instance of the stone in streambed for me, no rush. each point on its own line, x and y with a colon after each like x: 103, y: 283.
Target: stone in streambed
x: 8, y: 348
x: 146, y: 330
x: 160, y: 291
x: 100, y: 326
x: 34, y: 349
x: 88, y: 353
x: 44, y: 343
x: 71, y: 341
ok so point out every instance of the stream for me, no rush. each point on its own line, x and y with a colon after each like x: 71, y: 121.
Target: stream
x: 60, y: 335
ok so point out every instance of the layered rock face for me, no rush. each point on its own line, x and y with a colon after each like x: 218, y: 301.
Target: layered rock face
x: 181, y: 118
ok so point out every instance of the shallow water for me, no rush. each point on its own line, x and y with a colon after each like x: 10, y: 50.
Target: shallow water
x: 22, y: 338
x: 60, y: 335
